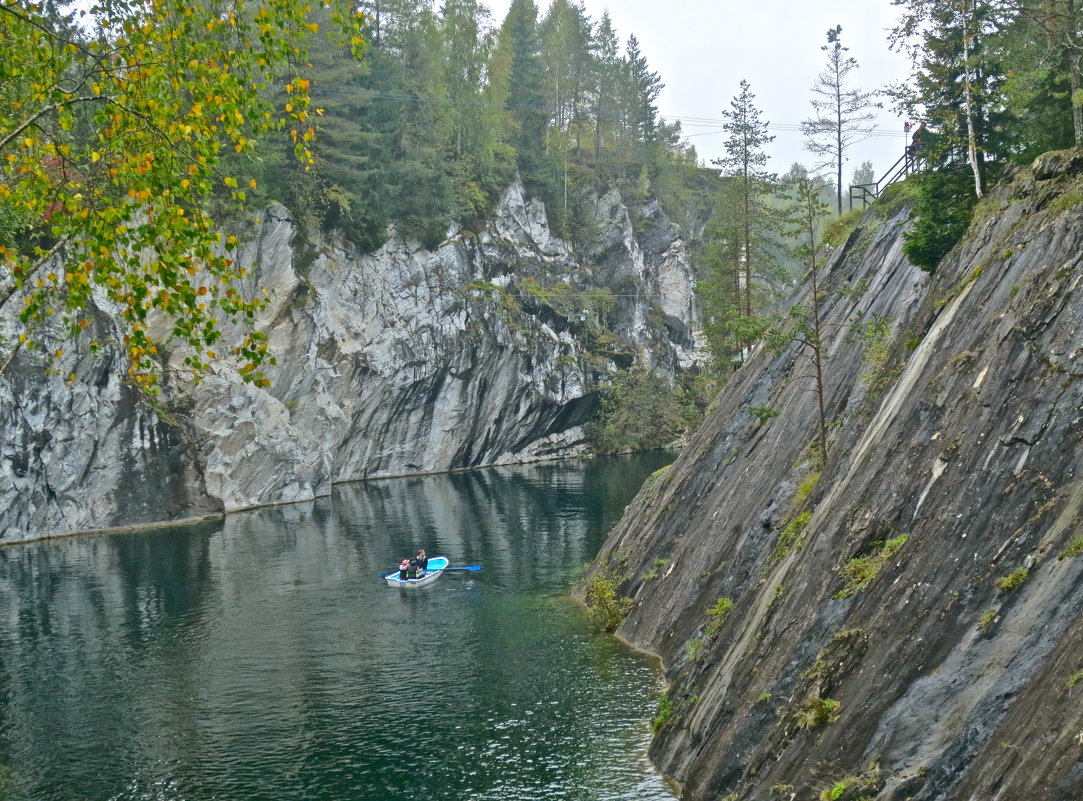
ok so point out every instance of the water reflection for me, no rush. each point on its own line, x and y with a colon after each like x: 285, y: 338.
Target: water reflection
x: 261, y: 658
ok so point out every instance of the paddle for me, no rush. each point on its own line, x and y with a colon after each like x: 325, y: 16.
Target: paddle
x: 443, y: 569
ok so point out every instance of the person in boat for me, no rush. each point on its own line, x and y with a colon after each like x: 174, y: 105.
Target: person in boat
x: 421, y: 561
x: 406, y: 570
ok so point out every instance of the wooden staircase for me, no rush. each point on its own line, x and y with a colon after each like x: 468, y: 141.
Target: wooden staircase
x: 910, y: 161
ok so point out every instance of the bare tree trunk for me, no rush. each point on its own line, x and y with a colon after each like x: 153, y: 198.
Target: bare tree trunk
x: 971, y: 136
x: 1074, y: 71
x: 1077, y: 100
x: 748, y: 255
x: 817, y: 338
x: 737, y: 250
x: 597, y: 130
x: 735, y: 259
x: 839, y: 150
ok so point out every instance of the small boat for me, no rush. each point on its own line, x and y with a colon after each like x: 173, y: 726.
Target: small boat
x: 431, y: 574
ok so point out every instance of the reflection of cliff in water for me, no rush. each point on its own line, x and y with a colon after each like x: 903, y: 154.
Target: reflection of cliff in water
x: 504, y: 518
x: 510, y: 519
x: 257, y: 657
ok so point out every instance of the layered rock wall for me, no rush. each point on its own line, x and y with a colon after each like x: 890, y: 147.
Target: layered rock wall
x: 487, y: 349
x: 906, y: 621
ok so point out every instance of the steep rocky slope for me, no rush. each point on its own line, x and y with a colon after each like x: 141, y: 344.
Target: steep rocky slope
x: 487, y: 349
x: 907, y: 622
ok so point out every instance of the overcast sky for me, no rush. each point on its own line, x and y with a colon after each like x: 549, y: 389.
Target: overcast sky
x: 703, y: 48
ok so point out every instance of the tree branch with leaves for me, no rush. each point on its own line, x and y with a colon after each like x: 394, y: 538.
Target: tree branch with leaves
x: 126, y: 132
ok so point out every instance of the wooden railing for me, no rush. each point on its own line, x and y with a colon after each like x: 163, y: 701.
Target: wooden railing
x: 910, y: 161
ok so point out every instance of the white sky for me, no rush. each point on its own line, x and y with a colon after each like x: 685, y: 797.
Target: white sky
x: 702, y: 49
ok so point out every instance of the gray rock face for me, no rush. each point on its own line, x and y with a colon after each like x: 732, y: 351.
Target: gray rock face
x: 908, y: 623
x: 407, y: 360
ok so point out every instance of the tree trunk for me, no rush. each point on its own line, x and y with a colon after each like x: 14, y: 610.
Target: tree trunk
x: 1074, y: 75
x: 971, y: 135
x: 817, y: 348
x: 838, y: 137
x: 748, y: 251
x: 597, y: 130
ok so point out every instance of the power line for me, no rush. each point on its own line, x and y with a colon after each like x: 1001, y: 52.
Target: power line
x: 685, y: 121
x: 785, y: 127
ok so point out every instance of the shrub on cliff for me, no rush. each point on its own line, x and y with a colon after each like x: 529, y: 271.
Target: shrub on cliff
x: 640, y: 411
x: 945, y: 204
x: 607, y: 609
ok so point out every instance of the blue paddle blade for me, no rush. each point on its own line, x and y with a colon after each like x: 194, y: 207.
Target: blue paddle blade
x: 466, y: 567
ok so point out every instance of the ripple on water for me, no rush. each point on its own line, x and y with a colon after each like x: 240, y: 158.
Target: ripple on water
x: 263, y: 659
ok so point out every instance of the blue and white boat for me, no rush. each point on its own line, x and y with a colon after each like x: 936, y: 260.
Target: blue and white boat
x: 431, y: 574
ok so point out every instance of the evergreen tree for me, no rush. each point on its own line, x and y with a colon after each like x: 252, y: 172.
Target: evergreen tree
x: 464, y: 55
x: 841, y: 115
x: 864, y: 175
x: 1039, y: 47
x: 643, y: 87
x: 720, y: 291
x: 606, y: 80
x: 566, y: 52
x: 391, y: 131
x: 345, y: 189
x: 519, y: 58
x: 583, y: 75
x: 807, y: 320
x: 745, y: 162
x: 422, y: 204
x: 791, y: 238
x: 482, y: 168
x: 954, y: 83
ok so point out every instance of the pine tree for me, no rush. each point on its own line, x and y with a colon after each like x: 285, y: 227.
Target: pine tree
x: 644, y: 86
x: 842, y: 115
x: 519, y: 53
x: 607, y: 79
x: 583, y: 74
x: 567, y: 35
x: 464, y: 56
x: 863, y: 175
x: 745, y: 162
x: 1039, y: 46
x: 953, y: 81
x: 482, y: 167
x: 720, y: 291
x: 345, y: 188
x: 807, y: 319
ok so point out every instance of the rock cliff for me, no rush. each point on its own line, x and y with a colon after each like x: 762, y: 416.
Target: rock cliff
x: 487, y: 349
x: 906, y: 620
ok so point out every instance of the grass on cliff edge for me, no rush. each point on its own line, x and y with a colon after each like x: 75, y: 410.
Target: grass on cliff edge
x: 860, y: 571
x: 607, y: 609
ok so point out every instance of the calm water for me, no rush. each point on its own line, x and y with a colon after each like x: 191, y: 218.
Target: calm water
x: 262, y: 658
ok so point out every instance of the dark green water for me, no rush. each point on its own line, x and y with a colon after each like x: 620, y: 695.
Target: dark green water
x: 262, y: 658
